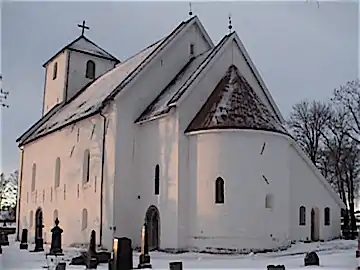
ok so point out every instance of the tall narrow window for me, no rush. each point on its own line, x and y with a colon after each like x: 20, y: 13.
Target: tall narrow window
x: 219, y: 190
x: 90, y: 69
x: 33, y: 177
x: 192, y: 50
x: 84, y: 219
x: 327, y: 216
x: 57, y: 172
x: 269, y: 201
x: 86, y: 166
x: 157, y: 179
x: 55, y: 215
x: 302, y: 216
x: 55, y: 70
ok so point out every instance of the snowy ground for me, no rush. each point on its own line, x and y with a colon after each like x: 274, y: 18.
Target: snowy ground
x: 334, y: 255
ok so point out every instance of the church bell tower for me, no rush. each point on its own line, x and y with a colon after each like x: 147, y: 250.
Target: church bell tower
x: 73, y: 68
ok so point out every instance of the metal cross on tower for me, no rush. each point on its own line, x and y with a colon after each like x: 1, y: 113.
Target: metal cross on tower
x: 83, y: 27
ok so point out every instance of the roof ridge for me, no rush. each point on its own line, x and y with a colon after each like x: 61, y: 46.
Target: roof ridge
x: 203, y: 64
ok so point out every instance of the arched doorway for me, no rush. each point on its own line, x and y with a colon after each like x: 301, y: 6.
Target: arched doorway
x: 315, y: 222
x: 152, y: 219
x: 39, y: 223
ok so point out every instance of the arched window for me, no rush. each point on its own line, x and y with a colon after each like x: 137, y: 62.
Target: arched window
x: 302, y: 216
x: 219, y: 190
x: 90, y: 69
x: 86, y: 166
x: 327, y: 216
x: 55, y: 70
x: 55, y: 215
x: 269, y: 201
x: 157, y: 179
x: 57, y: 172
x: 33, y: 177
x: 31, y: 219
x: 84, y: 219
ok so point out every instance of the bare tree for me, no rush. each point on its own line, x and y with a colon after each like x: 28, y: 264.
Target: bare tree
x: 348, y: 97
x: 307, y: 122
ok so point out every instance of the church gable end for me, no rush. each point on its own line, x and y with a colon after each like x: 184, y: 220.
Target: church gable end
x: 234, y: 104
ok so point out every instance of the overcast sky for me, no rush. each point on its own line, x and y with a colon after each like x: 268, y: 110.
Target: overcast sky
x: 301, y: 50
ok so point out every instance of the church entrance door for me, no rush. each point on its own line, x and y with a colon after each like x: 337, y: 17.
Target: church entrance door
x: 152, y: 219
x: 315, y: 222
x: 39, y: 224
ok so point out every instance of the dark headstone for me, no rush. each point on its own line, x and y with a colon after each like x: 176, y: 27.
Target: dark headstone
x: 175, y: 266
x: 0, y: 249
x: 39, y: 244
x: 61, y: 266
x: 123, y: 254
x: 56, y: 232
x: 144, y: 258
x: 24, y: 239
x: 92, y: 263
x: 92, y: 246
x: 4, y: 240
x: 311, y: 258
x: 275, y: 267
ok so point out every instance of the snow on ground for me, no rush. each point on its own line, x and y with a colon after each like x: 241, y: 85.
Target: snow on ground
x: 334, y: 255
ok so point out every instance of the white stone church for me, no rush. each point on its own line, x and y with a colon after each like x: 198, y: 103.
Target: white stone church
x: 184, y: 135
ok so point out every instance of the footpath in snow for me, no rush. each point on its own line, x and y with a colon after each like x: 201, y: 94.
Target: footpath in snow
x: 334, y: 255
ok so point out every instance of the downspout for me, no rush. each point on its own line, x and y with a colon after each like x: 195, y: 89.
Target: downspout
x: 19, y: 195
x: 102, y: 179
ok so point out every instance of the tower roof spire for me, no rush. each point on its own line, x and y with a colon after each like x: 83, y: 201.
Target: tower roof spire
x: 190, y: 9
x: 230, y: 23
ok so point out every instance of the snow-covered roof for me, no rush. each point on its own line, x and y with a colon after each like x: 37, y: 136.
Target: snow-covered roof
x: 90, y: 99
x: 97, y: 93
x: 85, y: 45
x: 177, y: 87
x: 234, y: 104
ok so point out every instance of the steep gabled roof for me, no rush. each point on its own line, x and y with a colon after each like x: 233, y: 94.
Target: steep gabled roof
x: 85, y: 45
x: 98, y: 93
x: 177, y: 87
x: 233, y: 104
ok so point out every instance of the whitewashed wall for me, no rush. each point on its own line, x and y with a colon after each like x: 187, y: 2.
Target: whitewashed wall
x: 77, y: 70
x: 54, y: 89
x: 130, y: 105
x: 242, y: 222
x: 71, y: 196
x: 307, y: 190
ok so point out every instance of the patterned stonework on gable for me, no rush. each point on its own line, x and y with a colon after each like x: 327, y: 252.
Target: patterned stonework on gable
x: 234, y: 104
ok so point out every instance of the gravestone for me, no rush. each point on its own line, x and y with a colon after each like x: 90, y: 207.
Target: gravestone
x: 56, y: 232
x: 39, y: 244
x: 61, y: 266
x: 4, y: 240
x: 92, y: 246
x: 275, y: 267
x: 175, y: 266
x: 144, y: 258
x: 311, y: 258
x: 122, y: 254
x: 91, y: 261
x: 24, y: 239
x: 0, y: 249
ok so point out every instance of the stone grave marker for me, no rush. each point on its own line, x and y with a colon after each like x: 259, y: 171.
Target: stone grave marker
x: 56, y: 232
x: 24, y: 239
x: 175, y: 266
x: 122, y: 254
x: 144, y: 258
x: 275, y: 267
x: 4, y: 240
x: 311, y: 259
